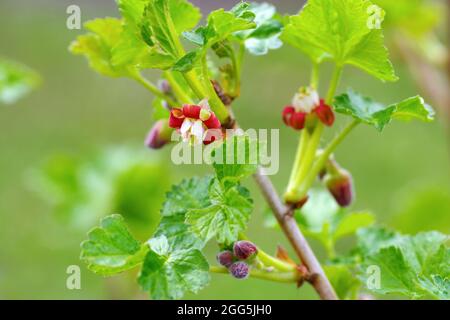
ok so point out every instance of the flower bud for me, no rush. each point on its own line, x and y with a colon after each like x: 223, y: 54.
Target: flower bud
x: 225, y: 258
x: 325, y: 113
x: 159, y: 135
x: 240, y: 270
x: 340, y: 185
x: 164, y: 86
x: 244, y: 250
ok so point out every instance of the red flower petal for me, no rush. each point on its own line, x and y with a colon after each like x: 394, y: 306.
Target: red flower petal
x: 297, y: 120
x: 176, y: 118
x: 212, y: 135
x: 287, y: 114
x: 212, y: 122
x: 191, y: 111
x: 325, y: 113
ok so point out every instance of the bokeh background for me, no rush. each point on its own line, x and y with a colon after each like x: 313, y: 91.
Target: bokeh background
x: 403, y: 175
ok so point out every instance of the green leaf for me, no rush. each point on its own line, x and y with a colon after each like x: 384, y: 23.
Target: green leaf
x: 236, y: 158
x: 97, y: 46
x: 16, y: 81
x: 111, y: 249
x: 349, y: 224
x: 413, y: 266
x: 221, y: 25
x: 189, y: 194
x: 268, y: 29
x: 226, y: 216
x: 135, y: 47
x: 176, y: 230
x: 164, y: 21
x: 375, y: 114
x: 340, y: 30
x: 188, y: 62
x: 343, y: 281
x: 171, y: 270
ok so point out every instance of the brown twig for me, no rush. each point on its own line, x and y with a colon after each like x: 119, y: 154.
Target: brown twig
x: 287, y: 222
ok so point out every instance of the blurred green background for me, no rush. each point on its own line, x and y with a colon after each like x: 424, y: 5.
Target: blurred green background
x: 403, y: 176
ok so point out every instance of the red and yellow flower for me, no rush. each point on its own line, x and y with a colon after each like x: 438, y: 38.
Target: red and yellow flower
x: 196, y: 123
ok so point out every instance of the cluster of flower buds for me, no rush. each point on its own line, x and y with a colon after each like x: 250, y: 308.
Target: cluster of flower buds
x: 339, y: 182
x: 306, y: 106
x: 236, y: 261
x: 196, y: 123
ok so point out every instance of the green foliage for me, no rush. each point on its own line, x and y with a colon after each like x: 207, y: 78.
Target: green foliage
x: 171, y: 269
x: 227, y: 215
x: 322, y: 219
x: 189, y: 194
x: 236, y: 158
x: 266, y: 35
x: 111, y: 249
x: 97, y: 46
x: 221, y: 25
x: 413, y: 266
x: 119, y: 180
x: 16, y: 81
x: 165, y: 20
x: 339, y: 30
x: 143, y: 39
x: 343, y: 281
x: 375, y: 114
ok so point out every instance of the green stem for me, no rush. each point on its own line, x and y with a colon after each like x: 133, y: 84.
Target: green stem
x: 303, y: 143
x: 178, y: 46
x: 306, y: 163
x: 153, y: 89
x: 182, y: 96
x: 334, y: 84
x: 315, y: 76
x: 195, y: 84
x: 283, y: 277
x: 321, y: 161
x: 216, y: 104
x: 270, y: 261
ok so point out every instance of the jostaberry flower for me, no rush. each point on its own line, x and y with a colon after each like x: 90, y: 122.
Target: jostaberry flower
x: 325, y: 113
x: 159, y: 135
x: 306, y: 103
x: 340, y: 185
x: 244, y: 250
x: 196, y: 123
x: 225, y: 258
x: 239, y: 270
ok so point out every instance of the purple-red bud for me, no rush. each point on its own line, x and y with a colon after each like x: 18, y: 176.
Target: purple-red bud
x: 240, y: 270
x: 244, y: 250
x: 159, y: 135
x: 225, y: 258
x: 340, y: 185
x: 164, y: 86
